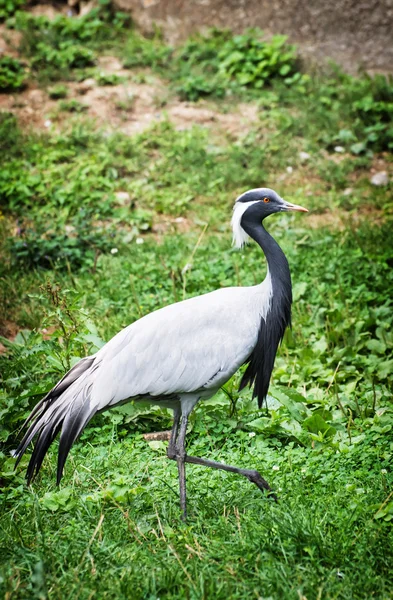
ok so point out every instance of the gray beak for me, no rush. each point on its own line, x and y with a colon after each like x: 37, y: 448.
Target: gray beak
x: 290, y: 206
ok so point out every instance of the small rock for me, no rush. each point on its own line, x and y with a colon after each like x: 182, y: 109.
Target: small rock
x: 114, y: 251
x: 339, y: 149
x: 380, y: 178
x: 347, y: 191
x: 289, y: 169
x: 123, y: 198
x: 304, y: 156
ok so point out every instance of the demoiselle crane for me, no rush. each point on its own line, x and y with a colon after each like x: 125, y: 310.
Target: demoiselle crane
x: 181, y: 354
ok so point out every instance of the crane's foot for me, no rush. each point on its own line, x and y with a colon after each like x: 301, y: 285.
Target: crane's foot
x: 255, y: 477
x: 251, y: 474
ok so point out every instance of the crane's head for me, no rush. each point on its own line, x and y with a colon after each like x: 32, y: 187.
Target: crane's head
x: 255, y: 205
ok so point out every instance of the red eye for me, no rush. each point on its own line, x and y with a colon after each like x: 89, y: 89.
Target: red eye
x: 266, y: 199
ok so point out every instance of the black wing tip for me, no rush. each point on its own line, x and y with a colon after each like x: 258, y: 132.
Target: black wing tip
x: 262, y: 401
x: 73, y: 425
x: 61, y: 459
x: 47, y: 418
x: 59, y: 476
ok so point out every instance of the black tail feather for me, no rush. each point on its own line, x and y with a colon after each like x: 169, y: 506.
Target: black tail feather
x: 72, y: 426
x: 42, y: 444
x: 59, y: 410
x: 35, y: 428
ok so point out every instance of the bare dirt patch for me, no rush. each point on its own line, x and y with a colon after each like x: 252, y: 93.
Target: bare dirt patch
x: 31, y: 106
x: 9, y: 41
x: 129, y: 107
x: 51, y: 11
x: 8, y: 330
x: 164, y: 224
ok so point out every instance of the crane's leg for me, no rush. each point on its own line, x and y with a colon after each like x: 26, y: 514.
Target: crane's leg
x: 251, y: 474
x: 171, y: 451
x: 181, y: 463
x: 176, y: 447
x: 176, y: 451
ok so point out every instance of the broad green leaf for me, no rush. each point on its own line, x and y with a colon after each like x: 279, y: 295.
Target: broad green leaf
x: 292, y: 401
x: 299, y: 289
x: 316, y: 424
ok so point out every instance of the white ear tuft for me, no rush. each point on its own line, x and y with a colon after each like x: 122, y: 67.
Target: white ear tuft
x: 240, y: 237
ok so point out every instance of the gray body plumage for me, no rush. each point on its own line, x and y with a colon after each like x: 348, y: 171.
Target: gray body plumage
x: 191, y: 347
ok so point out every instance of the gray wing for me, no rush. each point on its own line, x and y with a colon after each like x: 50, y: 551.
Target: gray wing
x: 184, y: 347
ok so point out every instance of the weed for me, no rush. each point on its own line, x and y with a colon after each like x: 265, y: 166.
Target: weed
x: 9, y: 7
x: 198, y: 86
x: 58, y: 46
x: 374, y: 109
x: 78, y: 246
x: 12, y: 74
x: 58, y: 91
x: 57, y: 61
x: 109, y: 79
x: 72, y: 335
x: 10, y: 135
x: 253, y: 62
x: 73, y: 106
x: 213, y: 63
x: 353, y: 112
x: 140, y: 51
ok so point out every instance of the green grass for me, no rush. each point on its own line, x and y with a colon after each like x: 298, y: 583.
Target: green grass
x: 77, y: 264
x: 114, y: 527
x: 12, y: 74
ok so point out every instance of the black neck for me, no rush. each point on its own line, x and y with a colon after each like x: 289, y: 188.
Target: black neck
x: 276, y: 259
x: 272, y: 328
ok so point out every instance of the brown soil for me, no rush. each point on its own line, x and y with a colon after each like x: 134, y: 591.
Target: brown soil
x: 48, y: 10
x: 9, y: 330
x: 128, y: 107
x: 164, y: 224
x: 9, y: 41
